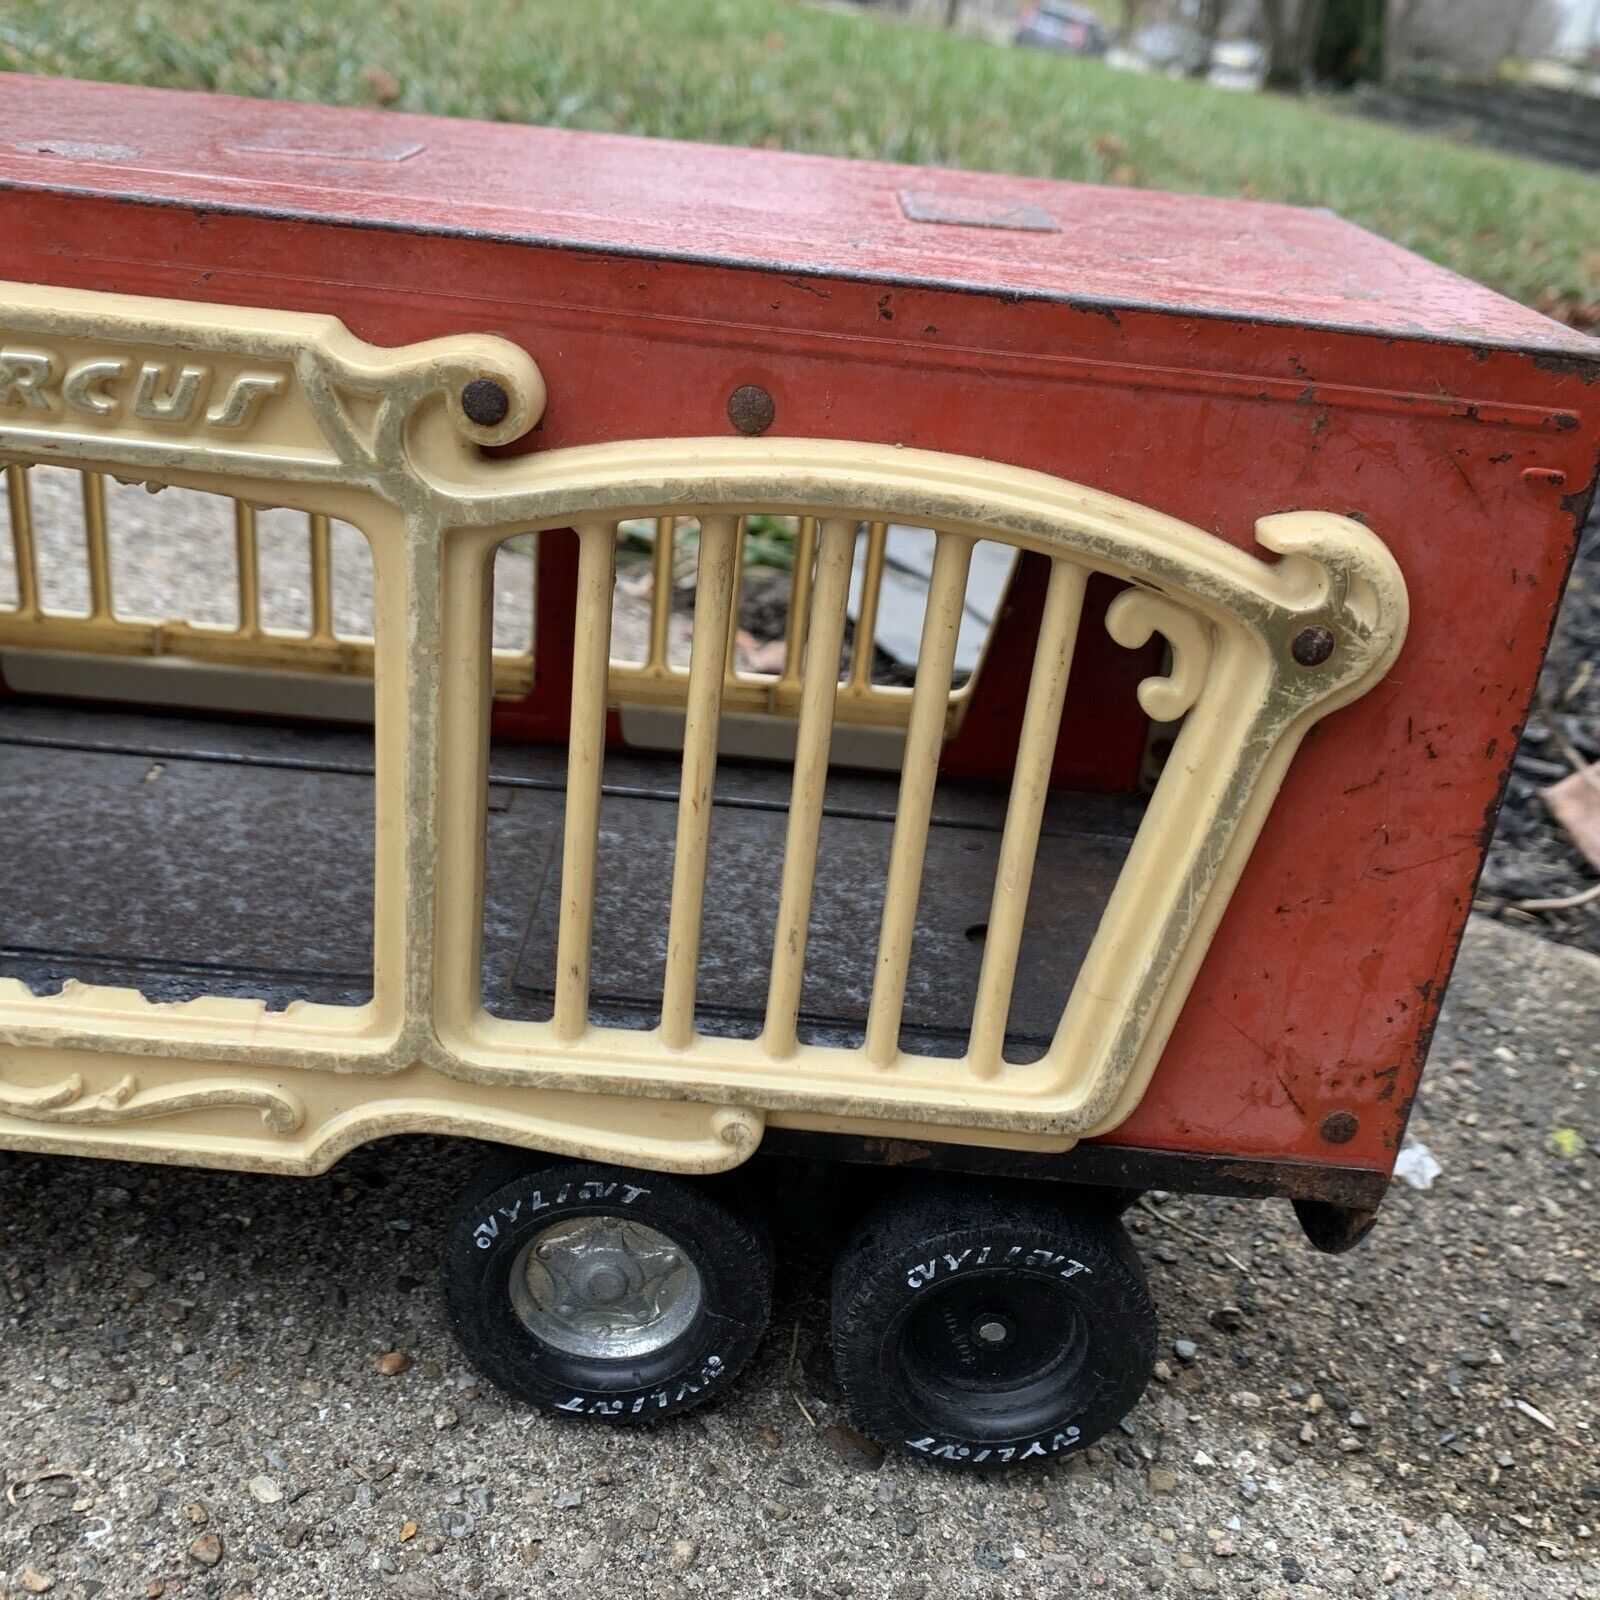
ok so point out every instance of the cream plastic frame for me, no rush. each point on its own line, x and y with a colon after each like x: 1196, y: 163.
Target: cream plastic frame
x: 379, y: 438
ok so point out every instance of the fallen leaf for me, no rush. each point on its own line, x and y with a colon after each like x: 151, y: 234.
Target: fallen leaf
x: 851, y: 1449
x: 1567, y: 1143
x: 385, y: 86
x: 1575, y: 803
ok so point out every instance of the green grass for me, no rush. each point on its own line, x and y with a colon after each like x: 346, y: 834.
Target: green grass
x: 766, y: 72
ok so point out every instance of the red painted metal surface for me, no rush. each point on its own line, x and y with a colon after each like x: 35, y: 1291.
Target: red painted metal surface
x: 1217, y: 360
x: 775, y: 212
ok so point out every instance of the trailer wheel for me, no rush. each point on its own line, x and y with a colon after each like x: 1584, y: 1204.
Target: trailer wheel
x: 985, y: 1329
x: 606, y: 1293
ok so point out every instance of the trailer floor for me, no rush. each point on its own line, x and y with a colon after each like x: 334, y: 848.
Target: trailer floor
x: 181, y: 856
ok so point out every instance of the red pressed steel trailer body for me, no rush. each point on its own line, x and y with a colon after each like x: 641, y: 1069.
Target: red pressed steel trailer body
x: 1215, y: 360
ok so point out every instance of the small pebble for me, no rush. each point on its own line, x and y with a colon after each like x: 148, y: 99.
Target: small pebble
x: 207, y: 1550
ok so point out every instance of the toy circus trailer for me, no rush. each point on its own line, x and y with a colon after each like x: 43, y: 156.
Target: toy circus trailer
x: 1154, y: 590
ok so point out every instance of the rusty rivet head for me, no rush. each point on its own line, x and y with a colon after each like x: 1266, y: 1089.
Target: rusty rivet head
x: 1339, y: 1127
x: 750, y: 408
x: 1312, y: 646
x: 486, y: 402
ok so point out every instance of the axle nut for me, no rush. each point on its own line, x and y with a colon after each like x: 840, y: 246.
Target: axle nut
x: 750, y: 408
x: 485, y: 402
x: 1312, y: 646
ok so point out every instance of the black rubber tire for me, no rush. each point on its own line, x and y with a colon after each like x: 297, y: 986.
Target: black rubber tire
x: 521, y: 1197
x: 929, y: 1267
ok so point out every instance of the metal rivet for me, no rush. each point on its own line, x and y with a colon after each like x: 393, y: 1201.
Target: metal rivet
x: 1312, y: 646
x: 486, y: 402
x: 1339, y: 1127
x: 750, y: 408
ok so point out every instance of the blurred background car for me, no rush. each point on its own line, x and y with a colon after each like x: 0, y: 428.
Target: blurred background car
x: 1238, y: 64
x: 1062, y: 25
x: 1170, y: 47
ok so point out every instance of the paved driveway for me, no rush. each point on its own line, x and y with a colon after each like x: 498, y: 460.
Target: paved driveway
x: 188, y: 1400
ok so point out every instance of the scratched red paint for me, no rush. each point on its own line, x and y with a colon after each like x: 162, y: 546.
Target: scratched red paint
x: 1215, y: 359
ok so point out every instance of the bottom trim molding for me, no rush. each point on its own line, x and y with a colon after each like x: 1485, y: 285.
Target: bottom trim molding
x: 1102, y: 1165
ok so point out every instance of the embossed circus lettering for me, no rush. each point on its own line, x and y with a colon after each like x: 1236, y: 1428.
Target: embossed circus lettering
x: 110, y: 387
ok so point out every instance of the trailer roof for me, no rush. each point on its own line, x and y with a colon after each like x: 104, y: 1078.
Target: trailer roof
x: 802, y: 214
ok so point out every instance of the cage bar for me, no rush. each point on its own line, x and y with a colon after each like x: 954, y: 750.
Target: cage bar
x: 825, y: 638
x: 661, y: 553
x: 586, y: 748
x: 321, y: 544
x: 98, y: 545
x: 20, y: 502
x: 797, y: 623
x: 738, y: 593
x: 947, y: 591
x: 713, y: 607
x: 1019, y: 843
x: 247, y: 554
x: 867, y: 617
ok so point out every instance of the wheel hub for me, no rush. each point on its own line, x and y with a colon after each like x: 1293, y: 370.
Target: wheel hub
x: 604, y: 1287
x: 992, y: 1329
x: 992, y: 1354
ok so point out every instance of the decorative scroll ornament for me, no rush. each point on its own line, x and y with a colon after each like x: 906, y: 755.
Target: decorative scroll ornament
x: 1133, y: 617
x: 67, y: 1103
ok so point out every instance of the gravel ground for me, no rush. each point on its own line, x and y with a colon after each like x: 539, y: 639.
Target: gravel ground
x: 189, y: 1402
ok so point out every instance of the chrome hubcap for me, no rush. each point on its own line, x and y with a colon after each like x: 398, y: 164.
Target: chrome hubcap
x: 604, y: 1288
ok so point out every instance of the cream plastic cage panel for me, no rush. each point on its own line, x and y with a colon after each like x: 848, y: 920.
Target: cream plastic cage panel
x: 859, y: 702
x: 105, y: 627
x: 1258, y: 651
